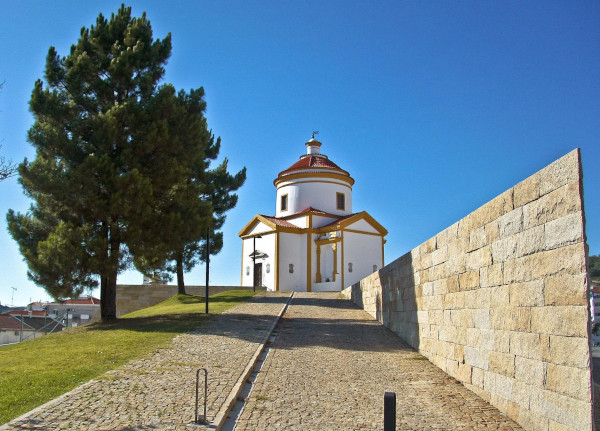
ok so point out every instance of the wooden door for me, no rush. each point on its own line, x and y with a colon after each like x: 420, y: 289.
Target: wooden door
x: 257, y: 274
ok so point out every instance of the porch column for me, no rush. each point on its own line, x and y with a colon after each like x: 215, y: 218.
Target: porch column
x: 318, y: 263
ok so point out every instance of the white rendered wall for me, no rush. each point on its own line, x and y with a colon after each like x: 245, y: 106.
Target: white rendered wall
x: 319, y: 193
x: 292, y: 250
x: 300, y: 221
x: 259, y: 229
x: 318, y: 221
x: 327, y: 266
x: 363, y: 251
x: 363, y: 226
x: 266, y: 244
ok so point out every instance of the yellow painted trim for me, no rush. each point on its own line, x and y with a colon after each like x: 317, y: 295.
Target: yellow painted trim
x: 331, y: 240
x: 364, y: 233
x: 333, y: 175
x: 356, y: 217
x: 318, y: 262
x: 337, y: 201
x: 343, y: 267
x: 293, y: 183
x: 309, y: 262
x: 334, y: 248
x: 255, y: 220
x: 382, y: 252
x: 258, y: 234
x: 242, y: 265
x: 276, y: 261
x: 311, y: 213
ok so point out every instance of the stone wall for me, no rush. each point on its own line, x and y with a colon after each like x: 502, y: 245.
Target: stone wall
x: 499, y: 300
x: 132, y: 297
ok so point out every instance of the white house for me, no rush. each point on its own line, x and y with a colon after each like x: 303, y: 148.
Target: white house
x: 314, y: 242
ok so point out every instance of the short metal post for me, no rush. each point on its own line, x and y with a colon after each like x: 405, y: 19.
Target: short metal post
x: 389, y: 411
x: 201, y: 419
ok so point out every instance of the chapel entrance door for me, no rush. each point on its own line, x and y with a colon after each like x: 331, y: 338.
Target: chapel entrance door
x: 258, y: 274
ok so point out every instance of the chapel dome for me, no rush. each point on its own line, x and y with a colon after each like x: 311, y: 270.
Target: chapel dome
x: 314, y: 162
x: 314, y: 181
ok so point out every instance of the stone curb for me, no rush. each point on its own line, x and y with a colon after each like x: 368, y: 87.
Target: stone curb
x: 230, y: 401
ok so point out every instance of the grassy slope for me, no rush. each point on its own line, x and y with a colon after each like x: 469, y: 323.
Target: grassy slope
x: 36, y: 371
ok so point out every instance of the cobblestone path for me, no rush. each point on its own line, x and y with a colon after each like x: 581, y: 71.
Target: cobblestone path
x: 330, y: 365
x: 157, y: 392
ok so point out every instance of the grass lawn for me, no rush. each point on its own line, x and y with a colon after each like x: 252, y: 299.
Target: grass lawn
x: 36, y: 371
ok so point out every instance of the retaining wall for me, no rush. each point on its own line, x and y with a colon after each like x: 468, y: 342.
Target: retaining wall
x: 132, y: 297
x: 499, y: 300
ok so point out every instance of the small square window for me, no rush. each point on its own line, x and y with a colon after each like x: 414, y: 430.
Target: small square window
x: 284, y: 202
x: 341, y: 201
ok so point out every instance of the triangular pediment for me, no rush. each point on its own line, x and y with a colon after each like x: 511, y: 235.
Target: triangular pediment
x: 256, y: 226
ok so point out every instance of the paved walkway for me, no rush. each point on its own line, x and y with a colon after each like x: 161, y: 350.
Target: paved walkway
x: 158, y: 392
x: 327, y: 370
x: 330, y: 365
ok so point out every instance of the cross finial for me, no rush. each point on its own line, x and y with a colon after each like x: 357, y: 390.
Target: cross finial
x: 315, y: 132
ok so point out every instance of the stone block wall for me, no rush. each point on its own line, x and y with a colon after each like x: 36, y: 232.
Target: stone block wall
x: 499, y: 300
x: 132, y: 297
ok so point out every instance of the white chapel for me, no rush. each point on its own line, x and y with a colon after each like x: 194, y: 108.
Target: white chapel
x: 314, y: 242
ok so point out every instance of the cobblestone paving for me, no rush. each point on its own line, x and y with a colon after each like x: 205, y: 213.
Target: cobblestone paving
x: 330, y: 365
x: 158, y: 392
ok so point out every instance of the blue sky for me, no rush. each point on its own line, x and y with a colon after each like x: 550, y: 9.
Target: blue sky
x: 433, y: 107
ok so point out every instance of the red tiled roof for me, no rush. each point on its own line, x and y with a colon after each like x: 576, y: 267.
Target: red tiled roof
x: 311, y: 210
x: 9, y: 323
x: 314, y: 162
x: 278, y: 221
x: 26, y: 313
x: 90, y: 300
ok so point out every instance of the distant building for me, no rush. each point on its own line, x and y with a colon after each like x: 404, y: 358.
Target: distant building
x: 42, y: 318
x: 595, y: 310
x: 314, y: 242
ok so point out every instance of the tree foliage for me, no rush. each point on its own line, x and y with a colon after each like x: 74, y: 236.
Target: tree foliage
x: 120, y: 162
x: 219, y: 193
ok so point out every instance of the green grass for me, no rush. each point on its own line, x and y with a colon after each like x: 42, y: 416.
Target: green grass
x: 36, y: 371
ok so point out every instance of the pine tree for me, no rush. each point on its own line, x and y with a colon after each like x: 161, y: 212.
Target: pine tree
x: 220, y: 185
x: 108, y: 169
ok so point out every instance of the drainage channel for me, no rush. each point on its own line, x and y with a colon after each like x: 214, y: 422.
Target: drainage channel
x: 231, y: 421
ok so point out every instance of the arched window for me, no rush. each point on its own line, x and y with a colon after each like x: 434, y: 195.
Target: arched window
x: 268, y: 268
x: 349, y: 266
x: 291, y: 268
x: 247, y: 270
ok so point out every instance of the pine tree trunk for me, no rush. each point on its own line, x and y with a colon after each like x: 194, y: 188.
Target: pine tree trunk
x: 180, y: 284
x: 108, y: 297
x: 108, y: 280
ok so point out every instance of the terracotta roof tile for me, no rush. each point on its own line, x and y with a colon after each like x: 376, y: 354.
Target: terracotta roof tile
x: 279, y: 221
x: 9, y: 323
x: 26, y: 313
x: 315, y: 162
x: 90, y: 300
x: 312, y: 210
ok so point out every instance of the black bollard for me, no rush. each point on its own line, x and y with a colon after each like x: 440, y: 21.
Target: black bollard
x: 389, y: 411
